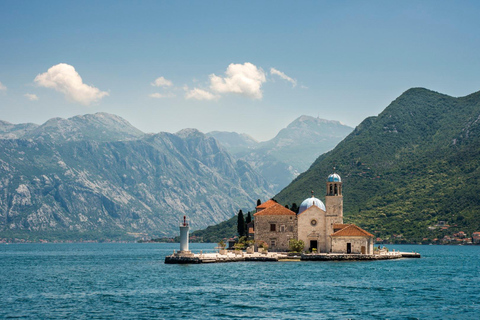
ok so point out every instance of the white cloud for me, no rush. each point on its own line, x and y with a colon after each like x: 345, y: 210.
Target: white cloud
x: 161, y: 82
x: 199, y: 94
x: 162, y: 95
x: 282, y: 75
x: 31, y: 96
x: 245, y: 79
x: 2, y: 87
x: 63, y: 78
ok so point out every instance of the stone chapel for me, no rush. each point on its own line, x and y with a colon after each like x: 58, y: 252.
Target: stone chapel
x: 319, y: 225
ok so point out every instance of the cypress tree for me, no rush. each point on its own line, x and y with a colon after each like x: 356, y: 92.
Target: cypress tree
x: 249, y: 218
x: 259, y: 202
x: 294, y: 207
x: 241, y: 224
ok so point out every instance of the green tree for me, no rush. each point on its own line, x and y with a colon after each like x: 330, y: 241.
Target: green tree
x: 248, y: 219
x: 294, y: 207
x: 222, y: 244
x: 241, y: 224
x: 296, y: 245
x: 259, y: 202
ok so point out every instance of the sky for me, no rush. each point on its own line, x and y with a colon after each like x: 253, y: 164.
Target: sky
x: 245, y: 66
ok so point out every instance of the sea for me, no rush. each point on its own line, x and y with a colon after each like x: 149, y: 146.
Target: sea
x: 131, y: 281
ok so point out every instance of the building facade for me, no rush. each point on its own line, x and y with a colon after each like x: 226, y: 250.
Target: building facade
x: 320, y: 226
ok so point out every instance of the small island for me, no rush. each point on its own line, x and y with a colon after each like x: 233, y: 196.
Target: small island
x: 315, y: 233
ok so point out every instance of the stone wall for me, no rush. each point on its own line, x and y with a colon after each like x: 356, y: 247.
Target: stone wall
x: 312, y: 226
x: 285, y: 229
x: 339, y: 244
x: 334, y: 206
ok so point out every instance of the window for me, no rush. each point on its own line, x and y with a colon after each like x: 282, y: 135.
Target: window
x: 290, y: 228
x: 273, y: 243
x: 273, y: 227
x: 282, y: 228
x: 313, y: 222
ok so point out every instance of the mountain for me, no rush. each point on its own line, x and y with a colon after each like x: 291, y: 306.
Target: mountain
x: 407, y: 170
x: 234, y: 142
x: 98, y: 177
x: 14, y: 131
x: 303, y: 140
x: 99, y: 127
x: 290, y: 152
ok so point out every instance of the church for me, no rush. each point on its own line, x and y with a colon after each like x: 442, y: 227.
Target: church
x: 319, y: 225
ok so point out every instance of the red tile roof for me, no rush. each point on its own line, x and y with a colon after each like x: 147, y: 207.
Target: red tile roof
x: 275, y: 210
x: 266, y: 204
x: 352, y: 230
x: 339, y: 226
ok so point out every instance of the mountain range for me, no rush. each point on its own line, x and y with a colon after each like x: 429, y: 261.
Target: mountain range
x: 98, y: 177
x: 290, y: 152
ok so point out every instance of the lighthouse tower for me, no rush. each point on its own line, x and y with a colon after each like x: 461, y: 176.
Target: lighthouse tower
x: 184, y: 228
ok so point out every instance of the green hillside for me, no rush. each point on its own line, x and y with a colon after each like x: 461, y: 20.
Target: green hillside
x: 415, y: 164
x: 215, y: 233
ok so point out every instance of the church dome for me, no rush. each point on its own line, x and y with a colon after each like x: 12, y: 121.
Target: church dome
x: 307, y: 203
x: 334, y: 178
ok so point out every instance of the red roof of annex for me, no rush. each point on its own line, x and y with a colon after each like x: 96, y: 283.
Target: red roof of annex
x: 275, y: 210
x: 266, y: 204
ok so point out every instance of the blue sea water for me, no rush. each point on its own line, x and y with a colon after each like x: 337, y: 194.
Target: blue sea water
x: 131, y: 281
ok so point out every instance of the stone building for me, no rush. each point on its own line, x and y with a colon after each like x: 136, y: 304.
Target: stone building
x: 319, y: 225
x: 275, y: 225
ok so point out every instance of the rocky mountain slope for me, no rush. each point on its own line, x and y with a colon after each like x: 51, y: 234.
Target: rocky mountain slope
x: 406, y: 170
x: 11, y: 131
x: 98, y: 177
x: 290, y: 152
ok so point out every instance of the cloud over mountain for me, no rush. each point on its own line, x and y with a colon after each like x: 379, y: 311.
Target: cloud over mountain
x: 162, y: 82
x: 245, y: 79
x: 65, y: 79
x: 242, y: 79
x: 282, y: 75
x: 199, y: 94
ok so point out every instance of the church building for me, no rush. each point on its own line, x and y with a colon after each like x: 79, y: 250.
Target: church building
x: 319, y: 225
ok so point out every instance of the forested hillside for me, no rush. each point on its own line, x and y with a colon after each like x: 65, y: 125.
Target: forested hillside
x: 412, y: 166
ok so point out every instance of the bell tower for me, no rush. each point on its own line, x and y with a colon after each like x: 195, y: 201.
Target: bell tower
x: 334, y: 198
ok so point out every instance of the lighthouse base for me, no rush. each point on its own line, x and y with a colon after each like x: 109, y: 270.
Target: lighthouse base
x: 184, y: 253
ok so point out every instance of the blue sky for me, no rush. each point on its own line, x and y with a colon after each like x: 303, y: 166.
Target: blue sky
x: 339, y: 60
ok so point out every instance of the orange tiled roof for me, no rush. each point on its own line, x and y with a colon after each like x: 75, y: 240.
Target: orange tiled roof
x: 352, y: 230
x: 250, y: 231
x: 339, y: 226
x: 266, y: 204
x: 276, y: 210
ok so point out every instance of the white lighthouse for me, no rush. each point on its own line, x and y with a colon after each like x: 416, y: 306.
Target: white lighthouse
x: 184, y: 228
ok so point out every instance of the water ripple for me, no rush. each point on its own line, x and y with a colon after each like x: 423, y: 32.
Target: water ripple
x: 125, y: 281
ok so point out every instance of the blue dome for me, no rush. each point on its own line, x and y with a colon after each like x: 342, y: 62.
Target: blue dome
x: 307, y: 203
x: 334, y: 178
